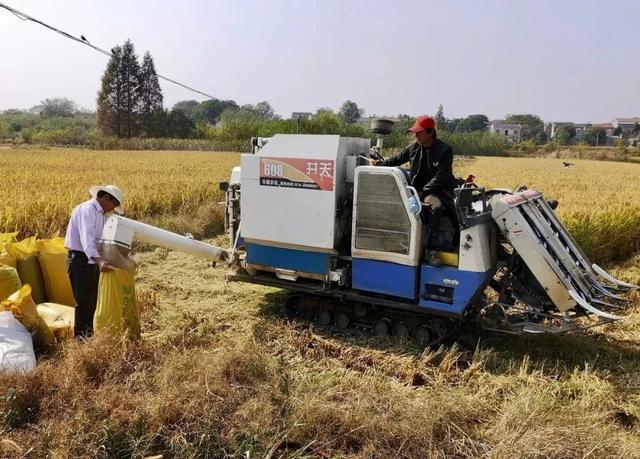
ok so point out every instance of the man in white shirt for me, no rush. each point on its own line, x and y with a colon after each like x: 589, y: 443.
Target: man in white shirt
x: 83, y: 262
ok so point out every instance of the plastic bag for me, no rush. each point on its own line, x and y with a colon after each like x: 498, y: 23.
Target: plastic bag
x: 117, y: 309
x: 9, y: 281
x: 24, y: 309
x: 52, y: 257
x: 16, y: 346
x: 59, y: 318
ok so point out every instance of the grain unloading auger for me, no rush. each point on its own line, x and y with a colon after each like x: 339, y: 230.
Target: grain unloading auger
x: 306, y: 213
x: 119, y: 234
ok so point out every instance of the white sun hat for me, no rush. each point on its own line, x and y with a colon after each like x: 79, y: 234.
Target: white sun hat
x: 113, y: 191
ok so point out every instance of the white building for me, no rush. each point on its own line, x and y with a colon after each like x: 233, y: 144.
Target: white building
x: 626, y: 125
x: 509, y: 130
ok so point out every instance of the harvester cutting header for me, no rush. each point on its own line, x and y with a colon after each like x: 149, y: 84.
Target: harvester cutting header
x: 312, y: 215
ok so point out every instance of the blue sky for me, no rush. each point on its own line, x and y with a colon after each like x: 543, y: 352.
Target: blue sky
x: 564, y: 60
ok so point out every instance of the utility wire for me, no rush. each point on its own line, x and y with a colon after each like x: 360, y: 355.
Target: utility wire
x: 26, y: 17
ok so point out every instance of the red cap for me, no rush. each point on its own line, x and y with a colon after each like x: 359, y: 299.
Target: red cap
x: 422, y: 122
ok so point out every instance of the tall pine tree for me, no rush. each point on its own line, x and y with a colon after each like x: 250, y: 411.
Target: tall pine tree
x: 110, y: 96
x: 130, y: 75
x: 441, y: 121
x: 119, y: 96
x: 150, y: 92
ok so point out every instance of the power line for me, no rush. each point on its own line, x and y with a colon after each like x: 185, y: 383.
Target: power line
x: 26, y: 17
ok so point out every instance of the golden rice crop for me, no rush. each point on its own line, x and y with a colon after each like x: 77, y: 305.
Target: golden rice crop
x: 599, y: 201
x: 41, y: 187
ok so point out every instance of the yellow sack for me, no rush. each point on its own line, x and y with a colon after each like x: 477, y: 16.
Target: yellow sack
x: 28, y: 267
x: 24, y: 249
x: 6, y: 258
x: 9, y: 281
x: 8, y: 237
x: 24, y: 309
x: 52, y: 257
x: 117, y: 310
x: 30, y: 273
x: 59, y: 318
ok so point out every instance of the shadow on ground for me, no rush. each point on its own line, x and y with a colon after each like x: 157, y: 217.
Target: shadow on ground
x: 549, y: 354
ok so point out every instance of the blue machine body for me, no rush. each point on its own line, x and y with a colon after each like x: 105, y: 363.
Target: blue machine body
x: 439, y: 288
x: 292, y: 259
x: 449, y: 289
x: 384, y: 277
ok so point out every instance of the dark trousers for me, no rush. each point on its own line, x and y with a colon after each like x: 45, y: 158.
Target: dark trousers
x: 84, y: 283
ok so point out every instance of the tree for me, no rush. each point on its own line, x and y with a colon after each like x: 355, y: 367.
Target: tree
x: 158, y: 124
x: 150, y: 92
x: 210, y: 110
x: 350, y: 112
x: 532, y: 126
x: 322, y: 110
x: 264, y: 110
x: 472, y: 123
x: 57, y: 106
x: 130, y: 75
x: 595, y: 136
x: 564, y: 134
x: 5, y: 131
x: 191, y: 108
x: 110, y: 103
x: 119, y: 96
x: 441, y: 121
x: 452, y: 124
x: 179, y: 125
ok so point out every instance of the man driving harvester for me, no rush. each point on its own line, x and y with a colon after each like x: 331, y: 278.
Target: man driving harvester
x: 431, y: 173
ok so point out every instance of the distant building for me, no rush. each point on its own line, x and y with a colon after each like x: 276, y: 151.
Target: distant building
x: 511, y: 131
x: 625, y: 125
x: 295, y: 116
x: 606, y: 127
x: 551, y: 130
x: 581, y: 128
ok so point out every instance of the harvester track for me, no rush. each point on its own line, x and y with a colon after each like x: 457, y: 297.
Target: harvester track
x: 347, y: 316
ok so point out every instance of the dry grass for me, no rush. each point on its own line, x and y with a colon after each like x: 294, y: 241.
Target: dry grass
x: 219, y: 372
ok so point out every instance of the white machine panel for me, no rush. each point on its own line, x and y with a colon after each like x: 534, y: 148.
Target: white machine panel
x: 384, y: 228
x: 477, y: 248
x: 291, y: 190
x: 522, y: 237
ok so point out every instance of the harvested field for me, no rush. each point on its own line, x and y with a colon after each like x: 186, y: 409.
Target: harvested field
x: 221, y: 373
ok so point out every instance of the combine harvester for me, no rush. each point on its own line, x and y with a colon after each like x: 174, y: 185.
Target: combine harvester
x: 306, y: 213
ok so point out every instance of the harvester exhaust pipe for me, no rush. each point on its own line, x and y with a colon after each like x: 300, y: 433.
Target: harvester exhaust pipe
x: 119, y: 233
